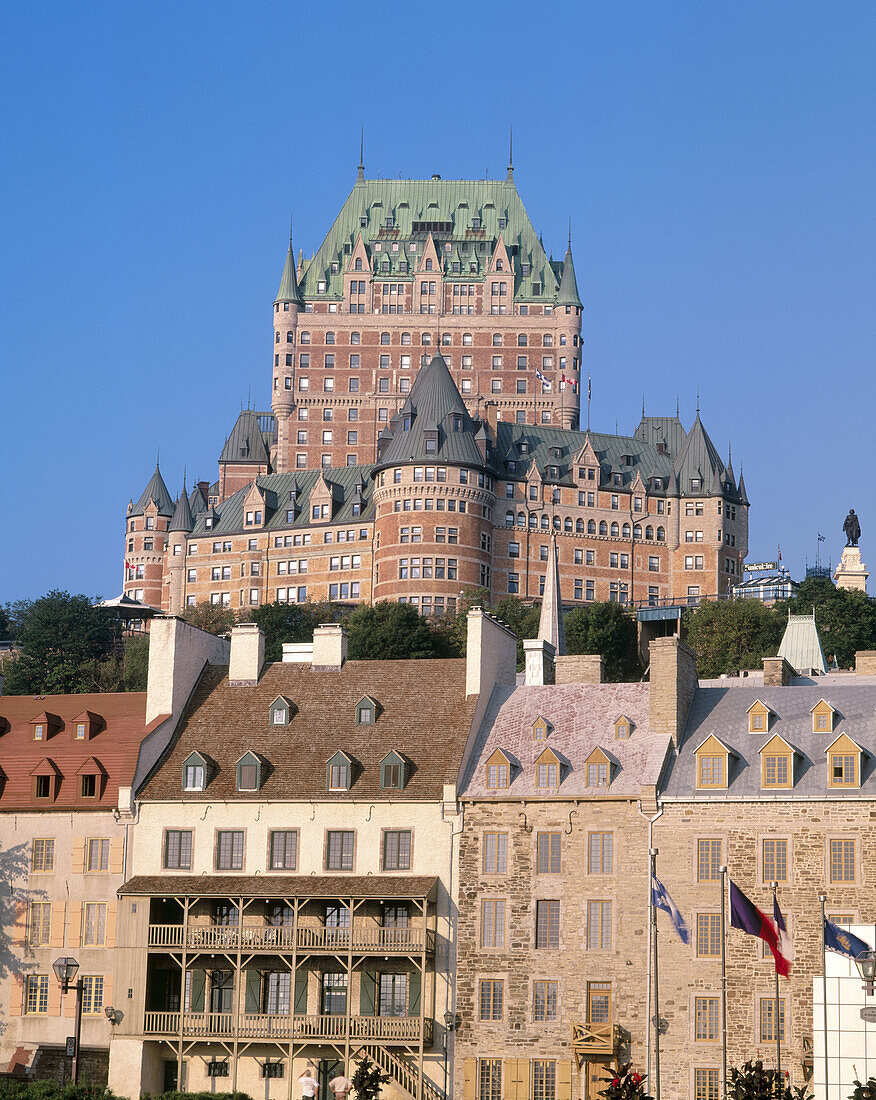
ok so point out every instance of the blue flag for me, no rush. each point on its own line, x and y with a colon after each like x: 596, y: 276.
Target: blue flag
x: 660, y: 899
x: 842, y: 941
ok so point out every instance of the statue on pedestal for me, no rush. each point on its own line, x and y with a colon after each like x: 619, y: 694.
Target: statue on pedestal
x: 852, y: 528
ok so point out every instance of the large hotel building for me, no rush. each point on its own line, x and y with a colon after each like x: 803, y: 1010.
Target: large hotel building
x: 428, y: 359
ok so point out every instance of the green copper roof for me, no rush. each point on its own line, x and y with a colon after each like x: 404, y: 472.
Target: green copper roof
x: 246, y: 442
x: 289, y: 291
x: 182, y: 514
x: 568, y: 295
x: 156, y: 490
x: 466, y: 214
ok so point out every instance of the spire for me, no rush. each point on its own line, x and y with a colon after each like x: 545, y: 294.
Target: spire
x: 289, y: 290
x: 568, y: 295
x: 741, y: 488
x: 550, y: 622
x: 510, y: 177
x: 360, y: 175
x: 156, y: 490
x: 182, y: 514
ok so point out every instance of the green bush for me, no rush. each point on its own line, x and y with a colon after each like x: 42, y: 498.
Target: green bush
x: 12, y: 1088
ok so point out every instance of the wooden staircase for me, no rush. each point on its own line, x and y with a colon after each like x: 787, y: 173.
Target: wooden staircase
x: 403, y: 1072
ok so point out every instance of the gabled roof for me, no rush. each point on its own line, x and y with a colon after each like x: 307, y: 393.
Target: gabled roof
x: 246, y: 443
x: 845, y: 741
x: 776, y: 741
x: 155, y: 490
x: 698, y: 458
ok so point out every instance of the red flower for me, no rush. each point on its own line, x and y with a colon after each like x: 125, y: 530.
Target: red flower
x: 615, y: 1083
x: 636, y: 1079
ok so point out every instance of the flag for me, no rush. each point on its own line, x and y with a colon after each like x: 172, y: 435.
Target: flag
x: 588, y: 386
x: 538, y: 374
x: 786, y: 944
x: 821, y: 538
x: 660, y: 899
x: 128, y: 565
x: 842, y: 941
x: 746, y: 916
x: 569, y: 382
x: 780, y: 553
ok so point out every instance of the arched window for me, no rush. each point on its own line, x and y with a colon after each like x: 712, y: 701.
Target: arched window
x: 406, y: 339
x: 427, y: 339
x: 357, y: 266
x: 533, y: 519
x: 521, y: 340
x: 661, y: 534
x: 637, y: 530
x: 591, y: 526
x: 557, y: 523
x: 626, y: 530
x: 509, y: 519
x: 567, y: 526
x: 521, y: 519
x: 603, y: 527
x: 579, y: 526
x: 545, y: 523
x: 428, y: 265
x: 649, y: 532
x: 499, y: 265
x: 466, y: 339
x: 615, y: 530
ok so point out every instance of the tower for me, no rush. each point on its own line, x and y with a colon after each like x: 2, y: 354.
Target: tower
x: 146, y: 531
x: 180, y: 527
x: 287, y: 306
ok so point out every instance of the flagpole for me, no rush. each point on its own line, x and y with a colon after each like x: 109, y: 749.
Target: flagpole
x: 823, y: 899
x: 588, y: 401
x: 778, y: 1017
x: 656, y: 1019
x: 723, y: 871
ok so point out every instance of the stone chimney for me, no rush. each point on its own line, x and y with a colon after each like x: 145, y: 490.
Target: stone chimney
x: 329, y: 646
x: 177, y: 655
x: 247, y: 654
x: 490, y: 653
x: 865, y: 662
x: 673, y: 678
x: 540, y: 667
x: 583, y: 668
x: 777, y: 672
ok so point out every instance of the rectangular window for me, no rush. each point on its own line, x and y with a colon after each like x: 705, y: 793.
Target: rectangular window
x: 775, y: 860
x: 39, y: 923
x: 339, y: 850
x: 97, y: 854
x: 94, y: 924
x: 842, y: 861
x: 490, y: 999
x: 489, y: 1079
x: 599, y: 1003
x: 708, y: 860
x: 397, y: 850
x: 708, y: 935
x: 600, y: 853
x: 229, y: 850
x: 548, y: 860
x: 768, y: 1020
x: 776, y: 771
x: 711, y: 771
x: 284, y: 849
x: 495, y: 853
x: 92, y: 994
x: 843, y: 770
x: 37, y: 994
x: 706, y: 1084
x: 544, y: 1080
x: 178, y: 849
x: 547, y: 924
x: 705, y: 1018
x: 544, y: 1000
x: 493, y: 922
x: 43, y: 854
x: 598, y: 925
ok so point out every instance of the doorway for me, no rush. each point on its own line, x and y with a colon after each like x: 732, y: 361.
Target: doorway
x: 327, y: 1070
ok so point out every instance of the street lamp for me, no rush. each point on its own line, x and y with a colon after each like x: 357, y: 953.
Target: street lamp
x: 65, y: 971
x: 866, y: 964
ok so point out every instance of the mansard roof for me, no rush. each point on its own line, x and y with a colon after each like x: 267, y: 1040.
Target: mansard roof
x: 155, y: 490
x: 247, y: 441
x: 425, y: 716
x: 445, y: 208
x: 431, y: 406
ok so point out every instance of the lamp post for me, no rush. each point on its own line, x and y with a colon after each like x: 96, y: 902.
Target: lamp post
x: 866, y: 964
x: 65, y: 971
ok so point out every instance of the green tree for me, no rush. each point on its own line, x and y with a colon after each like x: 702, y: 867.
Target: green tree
x: 607, y: 629
x: 290, y: 622
x: 210, y: 617
x: 846, y: 620
x: 367, y: 1079
x: 127, y: 670
x: 5, y: 624
x: 733, y: 634
x: 454, y: 628
x: 390, y: 631
x: 62, y: 639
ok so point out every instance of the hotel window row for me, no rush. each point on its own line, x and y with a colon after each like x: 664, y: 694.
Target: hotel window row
x: 548, y: 849
x: 841, y: 859
x: 546, y: 924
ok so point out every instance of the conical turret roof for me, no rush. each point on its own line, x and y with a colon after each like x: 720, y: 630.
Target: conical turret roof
x: 568, y: 293
x: 698, y: 458
x: 434, y: 405
x: 182, y: 515
x: 289, y: 290
x: 156, y: 490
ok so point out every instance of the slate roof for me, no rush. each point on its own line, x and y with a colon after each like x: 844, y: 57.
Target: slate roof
x: 155, y: 490
x: 583, y: 717
x: 723, y: 711
x: 453, y: 202
x: 246, y: 442
x: 182, y: 514
x: 423, y: 713
x: 568, y: 293
x: 289, y: 290
x: 289, y: 886
x: 666, y: 429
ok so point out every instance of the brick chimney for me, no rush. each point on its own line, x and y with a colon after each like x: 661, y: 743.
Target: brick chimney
x: 329, y: 646
x: 247, y: 654
x: 673, y: 678
x: 490, y: 653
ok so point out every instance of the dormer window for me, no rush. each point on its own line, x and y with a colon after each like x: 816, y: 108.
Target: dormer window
x: 392, y: 771
x: 366, y: 711
x: 696, y: 484
x: 713, y: 764
x: 844, y: 763
x: 758, y: 717
x: 195, y: 773
x: 248, y: 772
x: 823, y: 717
x: 540, y: 729
x: 39, y: 731
x: 598, y: 769
x: 622, y: 728
x: 281, y: 711
x: 553, y: 472
x: 523, y: 447
x: 476, y: 223
x: 498, y: 771
x: 79, y: 734
x: 339, y: 772
x: 547, y: 771
x: 457, y: 423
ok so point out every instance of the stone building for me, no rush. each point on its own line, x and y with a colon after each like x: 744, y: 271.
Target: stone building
x: 445, y: 279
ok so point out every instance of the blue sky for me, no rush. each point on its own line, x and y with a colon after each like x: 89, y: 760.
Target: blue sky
x: 716, y: 158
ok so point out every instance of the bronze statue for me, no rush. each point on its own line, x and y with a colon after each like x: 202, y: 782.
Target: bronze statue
x: 852, y: 528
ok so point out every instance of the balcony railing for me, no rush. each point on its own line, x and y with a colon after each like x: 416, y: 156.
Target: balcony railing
x: 593, y: 1039
x: 399, y: 1029
x: 360, y: 940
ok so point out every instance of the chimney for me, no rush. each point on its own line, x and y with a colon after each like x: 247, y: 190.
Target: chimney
x: 177, y: 655
x: 329, y: 646
x: 865, y: 662
x: 540, y: 667
x: 776, y: 672
x: 247, y: 654
x: 490, y: 653
x: 583, y: 668
x: 673, y: 684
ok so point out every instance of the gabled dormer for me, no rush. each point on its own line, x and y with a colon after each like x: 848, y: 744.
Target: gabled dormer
x: 623, y: 728
x: 393, y: 772
x: 366, y: 711
x: 499, y: 768
x: 359, y: 265
x: 824, y: 717
x: 597, y: 768
x: 541, y: 729
x: 759, y: 715
x: 254, y: 510
x: 777, y: 764
x: 713, y: 764
x: 548, y: 770
x: 429, y: 263
x: 638, y: 484
x: 91, y: 778
x: 587, y: 463
x: 845, y: 758
x: 250, y: 772
x: 44, y: 726
x: 46, y: 781
x: 500, y: 261
x: 339, y: 772
x: 195, y: 773
x: 86, y: 725
x: 280, y: 713
x: 322, y: 501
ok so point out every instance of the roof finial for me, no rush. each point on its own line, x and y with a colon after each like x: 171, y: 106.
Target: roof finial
x: 729, y: 452
x: 511, y: 153
x: 290, y: 231
x: 185, y: 469
x: 676, y: 406
x: 698, y: 401
x: 570, y: 233
x: 360, y: 176
x: 643, y: 406
x: 157, y: 456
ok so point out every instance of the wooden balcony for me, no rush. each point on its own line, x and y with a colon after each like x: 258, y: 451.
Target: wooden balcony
x: 594, y: 1040
x: 223, y: 1025
x: 361, y: 940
